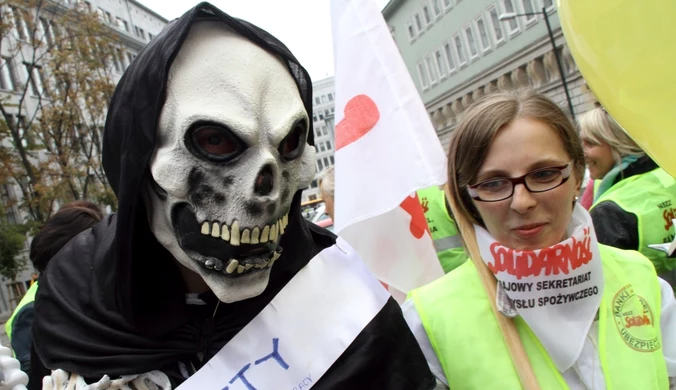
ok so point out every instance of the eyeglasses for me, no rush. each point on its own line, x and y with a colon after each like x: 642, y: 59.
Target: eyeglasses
x: 539, y: 180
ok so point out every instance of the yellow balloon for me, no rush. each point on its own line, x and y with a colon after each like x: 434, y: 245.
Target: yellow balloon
x: 626, y: 51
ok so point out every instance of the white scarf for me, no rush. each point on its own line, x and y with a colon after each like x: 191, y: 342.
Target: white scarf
x: 556, y: 290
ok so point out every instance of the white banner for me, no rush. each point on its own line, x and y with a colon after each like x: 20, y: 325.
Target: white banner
x: 302, y: 331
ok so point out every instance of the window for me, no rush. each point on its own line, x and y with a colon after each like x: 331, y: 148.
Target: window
x: 449, y: 57
x: 130, y: 57
x: 459, y: 50
x: 439, y: 59
x: 317, y: 100
x: 529, y: 8
x: 331, y: 99
x: 317, y: 132
x: 328, y: 145
x: 332, y: 110
x: 20, y: 30
x: 411, y: 31
x: 36, y: 79
x: 121, y: 24
x: 471, y: 42
x: 314, y: 118
x: 432, y: 67
x: 483, y: 34
x: 418, y: 23
x: 326, y: 112
x: 548, y: 4
x: 109, y: 17
x: 312, y: 197
x: 116, y: 62
x: 422, y: 74
x: 331, y: 158
x: 313, y: 184
x: 47, y: 31
x: 448, y: 4
x: 326, y: 162
x: 7, y: 78
x: 325, y: 130
x: 436, y: 7
x: 321, y: 116
x: 426, y: 15
x: 321, y: 147
x: 319, y: 165
x: 498, y: 34
x: 150, y: 36
x: 509, y: 10
x: 324, y: 99
x: 120, y: 55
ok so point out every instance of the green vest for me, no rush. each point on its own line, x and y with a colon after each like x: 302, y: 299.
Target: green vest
x: 466, y: 337
x: 28, y: 297
x: 651, y: 197
x: 447, y: 241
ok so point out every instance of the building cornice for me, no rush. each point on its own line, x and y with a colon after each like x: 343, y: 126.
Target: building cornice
x: 391, y: 7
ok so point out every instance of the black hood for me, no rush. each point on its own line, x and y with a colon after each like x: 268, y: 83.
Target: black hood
x: 116, y: 279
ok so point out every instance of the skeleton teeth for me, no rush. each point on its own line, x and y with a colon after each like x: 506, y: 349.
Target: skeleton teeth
x: 248, y: 267
x: 205, y: 228
x: 259, y: 266
x: 245, y: 237
x: 209, y: 264
x: 240, y: 269
x: 286, y: 220
x: 232, y: 266
x: 234, y: 234
x: 218, y: 266
x: 215, y: 230
x: 281, y: 226
x: 265, y: 234
x: 273, y: 233
x: 225, y: 233
x: 254, y: 235
x: 274, y: 258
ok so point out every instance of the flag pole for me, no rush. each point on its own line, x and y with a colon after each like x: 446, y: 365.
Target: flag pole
x: 507, y: 327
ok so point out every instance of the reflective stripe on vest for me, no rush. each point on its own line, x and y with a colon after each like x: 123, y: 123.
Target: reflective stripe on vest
x: 471, y: 349
x: 447, y: 242
x: 651, y: 197
x: 28, y: 297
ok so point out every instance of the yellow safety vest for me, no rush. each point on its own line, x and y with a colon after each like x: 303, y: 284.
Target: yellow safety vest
x: 465, y: 335
x: 651, y: 197
x: 447, y: 241
x: 28, y: 297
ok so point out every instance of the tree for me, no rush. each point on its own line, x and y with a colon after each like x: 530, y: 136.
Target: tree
x: 51, y: 123
x: 12, y: 239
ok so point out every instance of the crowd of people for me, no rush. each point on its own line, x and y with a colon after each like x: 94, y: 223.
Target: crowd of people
x: 208, y: 264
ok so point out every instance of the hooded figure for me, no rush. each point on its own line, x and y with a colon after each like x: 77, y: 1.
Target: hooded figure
x: 208, y: 145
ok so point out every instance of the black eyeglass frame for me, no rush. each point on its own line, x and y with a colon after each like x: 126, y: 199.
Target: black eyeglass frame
x: 565, y: 175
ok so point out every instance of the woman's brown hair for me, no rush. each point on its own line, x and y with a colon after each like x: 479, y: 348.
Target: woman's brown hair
x: 477, y: 129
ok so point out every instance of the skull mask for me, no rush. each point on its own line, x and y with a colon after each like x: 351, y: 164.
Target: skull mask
x: 231, y: 151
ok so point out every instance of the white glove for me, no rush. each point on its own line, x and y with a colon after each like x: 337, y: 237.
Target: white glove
x: 11, y: 376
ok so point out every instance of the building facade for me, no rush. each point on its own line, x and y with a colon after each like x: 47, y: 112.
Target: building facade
x: 323, y: 110
x: 459, y: 50
x: 133, y: 26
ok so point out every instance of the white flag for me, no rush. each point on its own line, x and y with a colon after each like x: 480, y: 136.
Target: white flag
x: 386, y: 149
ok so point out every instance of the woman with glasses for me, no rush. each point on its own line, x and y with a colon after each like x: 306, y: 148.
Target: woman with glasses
x: 540, y: 297
x: 634, y: 200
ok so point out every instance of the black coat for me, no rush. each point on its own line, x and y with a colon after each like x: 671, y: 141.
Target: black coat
x: 112, y: 301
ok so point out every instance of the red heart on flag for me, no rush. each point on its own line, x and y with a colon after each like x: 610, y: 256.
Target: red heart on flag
x: 418, y: 224
x: 361, y: 115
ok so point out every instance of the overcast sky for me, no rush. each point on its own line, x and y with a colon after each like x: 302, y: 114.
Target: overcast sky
x: 303, y: 25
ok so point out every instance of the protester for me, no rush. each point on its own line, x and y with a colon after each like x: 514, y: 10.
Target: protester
x: 587, y: 315
x: 634, y: 199
x: 447, y: 241
x: 327, y: 187
x: 60, y: 228
x: 208, y: 276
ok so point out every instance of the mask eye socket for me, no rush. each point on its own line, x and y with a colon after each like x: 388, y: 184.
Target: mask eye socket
x: 292, y: 145
x: 214, y: 142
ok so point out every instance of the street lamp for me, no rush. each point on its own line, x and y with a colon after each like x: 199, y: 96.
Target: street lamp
x: 556, y: 52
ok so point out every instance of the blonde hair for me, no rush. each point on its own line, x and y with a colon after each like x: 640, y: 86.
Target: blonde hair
x: 482, y: 121
x: 598, y: 127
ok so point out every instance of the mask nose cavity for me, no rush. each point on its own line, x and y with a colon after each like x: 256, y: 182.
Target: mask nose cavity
x: 264, y: 181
